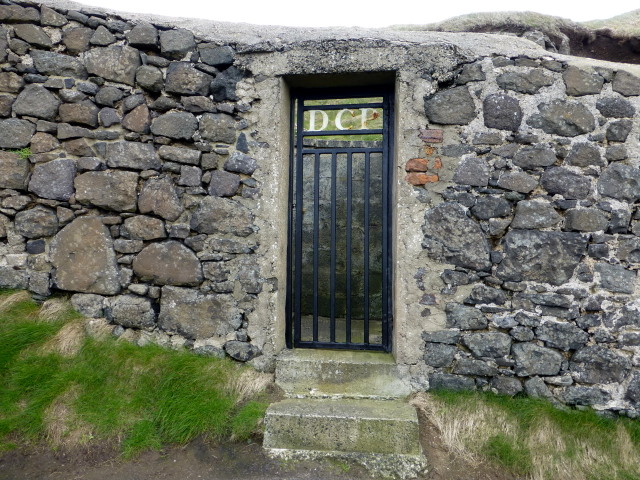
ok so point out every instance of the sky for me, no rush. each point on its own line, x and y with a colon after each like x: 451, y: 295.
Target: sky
x: 376, y: 13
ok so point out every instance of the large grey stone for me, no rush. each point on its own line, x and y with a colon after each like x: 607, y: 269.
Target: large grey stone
x: 177, y: 125
x: 626, y: 83
x: 131, y: 311
x: 584, y: 154
x: 117, y: 63
x: 549, y: 257
x: 491, y: 207
x: 223, y: 87
x: 88, y: 304
x: 176, y: 43
x: 529, y: 82
x: 619, y: 130
x: 51, y: 63
x: 195, y: 315
x: 506, y: 385
x: 77, y: 39
x: 223, y: 184
x: 450, y: 337
x: 36, y: 222
x: 534, y: 157
x: 532, y: 359
x: 183, y: 78
x: 439, y: 354
x: 222, y: 215
x: 14, y: 171
x: 472, y: 171
x: 616, y: 278
x: 598, y: 364
x: 110, y: 189
x: 579, y: 82
x: 563, y: 335
x: 142, y: 227
x: 143, y: 35
x: 241, y: 351
x: 560, y: 117
x: 239, y: 162
x: 621, y: 182
x: 615, y: 107
x: 448, y: 381
x: 488, y: 344
x: 133, y: 155
x: 84, y: 260
x: 633, y: 390
x: 450, y: 236
x: 218, y: 127
x: 517, y: 181
x: 12, y: 278
x: 465, y: 318
x: 51, y: 18
x: 16, y: 13
x: 586, y: 220
x: 534, y: 214
x: 150, y: 78
x: 502, y: 111
x: 470, y: 366
x: 216, y: 56
x: 36, y: 101
x: 578, y: 395
x: 11, y: 82
x: 629, y: 249
x: 16, y: 133
x: 168, y: 263
x: 54, y: 179
x: 565, y: 182
x: 159, y: 196
x: 81, y: 113
x: 454, y: 106
x: 180, y: 154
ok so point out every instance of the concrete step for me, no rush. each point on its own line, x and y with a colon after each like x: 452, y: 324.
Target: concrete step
x: 343, y: 426
x: 352, y: 374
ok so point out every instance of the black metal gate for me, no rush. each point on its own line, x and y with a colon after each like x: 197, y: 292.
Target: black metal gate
x: 339, y: 283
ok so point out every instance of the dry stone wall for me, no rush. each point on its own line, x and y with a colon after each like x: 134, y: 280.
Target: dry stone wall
x: 138, y: 192
x: 155, y: 191
x: 541, y: 222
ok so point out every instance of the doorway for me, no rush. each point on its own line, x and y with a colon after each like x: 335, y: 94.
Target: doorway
x: 339, y: 256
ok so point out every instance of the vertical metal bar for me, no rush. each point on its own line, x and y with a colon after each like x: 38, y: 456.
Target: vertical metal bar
x: 385, y: 223
x: 332, y: 279
x: 349, y: 228
x: 299, y: 207
x: 367, y: 180
x: 316, y: 240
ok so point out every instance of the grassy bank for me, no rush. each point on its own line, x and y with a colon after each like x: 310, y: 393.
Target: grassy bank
x: 66, y: 387
x: 532, y: 439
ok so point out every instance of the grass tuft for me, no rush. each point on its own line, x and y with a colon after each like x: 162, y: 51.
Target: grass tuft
x: 530, y: 438
x: 59, y: 384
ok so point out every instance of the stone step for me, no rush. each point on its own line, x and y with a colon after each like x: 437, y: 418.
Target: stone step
x: 353, y: 374
x: 342, y: 426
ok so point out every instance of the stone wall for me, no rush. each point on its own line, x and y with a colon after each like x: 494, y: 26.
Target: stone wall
x: 156, y: 192
x: 138, y: 190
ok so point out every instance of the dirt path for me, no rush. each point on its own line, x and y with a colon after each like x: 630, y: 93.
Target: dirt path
x: 201, y: 461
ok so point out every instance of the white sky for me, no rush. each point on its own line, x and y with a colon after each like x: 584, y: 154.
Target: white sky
x: 371, y: 13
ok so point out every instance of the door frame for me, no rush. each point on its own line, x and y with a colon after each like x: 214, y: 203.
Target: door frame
x: 298, y: 95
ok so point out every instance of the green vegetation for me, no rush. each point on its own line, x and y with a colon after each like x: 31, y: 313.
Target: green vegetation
x: 530, y: 438
x: 22, y: 152
x: 61, y: 385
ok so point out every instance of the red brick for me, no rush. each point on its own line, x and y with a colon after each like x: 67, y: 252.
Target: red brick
x: 431, y: 135
x: 417, y: 165
x: 421, y: 178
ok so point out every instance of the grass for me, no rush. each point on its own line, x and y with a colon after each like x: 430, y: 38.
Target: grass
x: 530, y: 438
x: 60, y: 385
x: 22, y: 152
